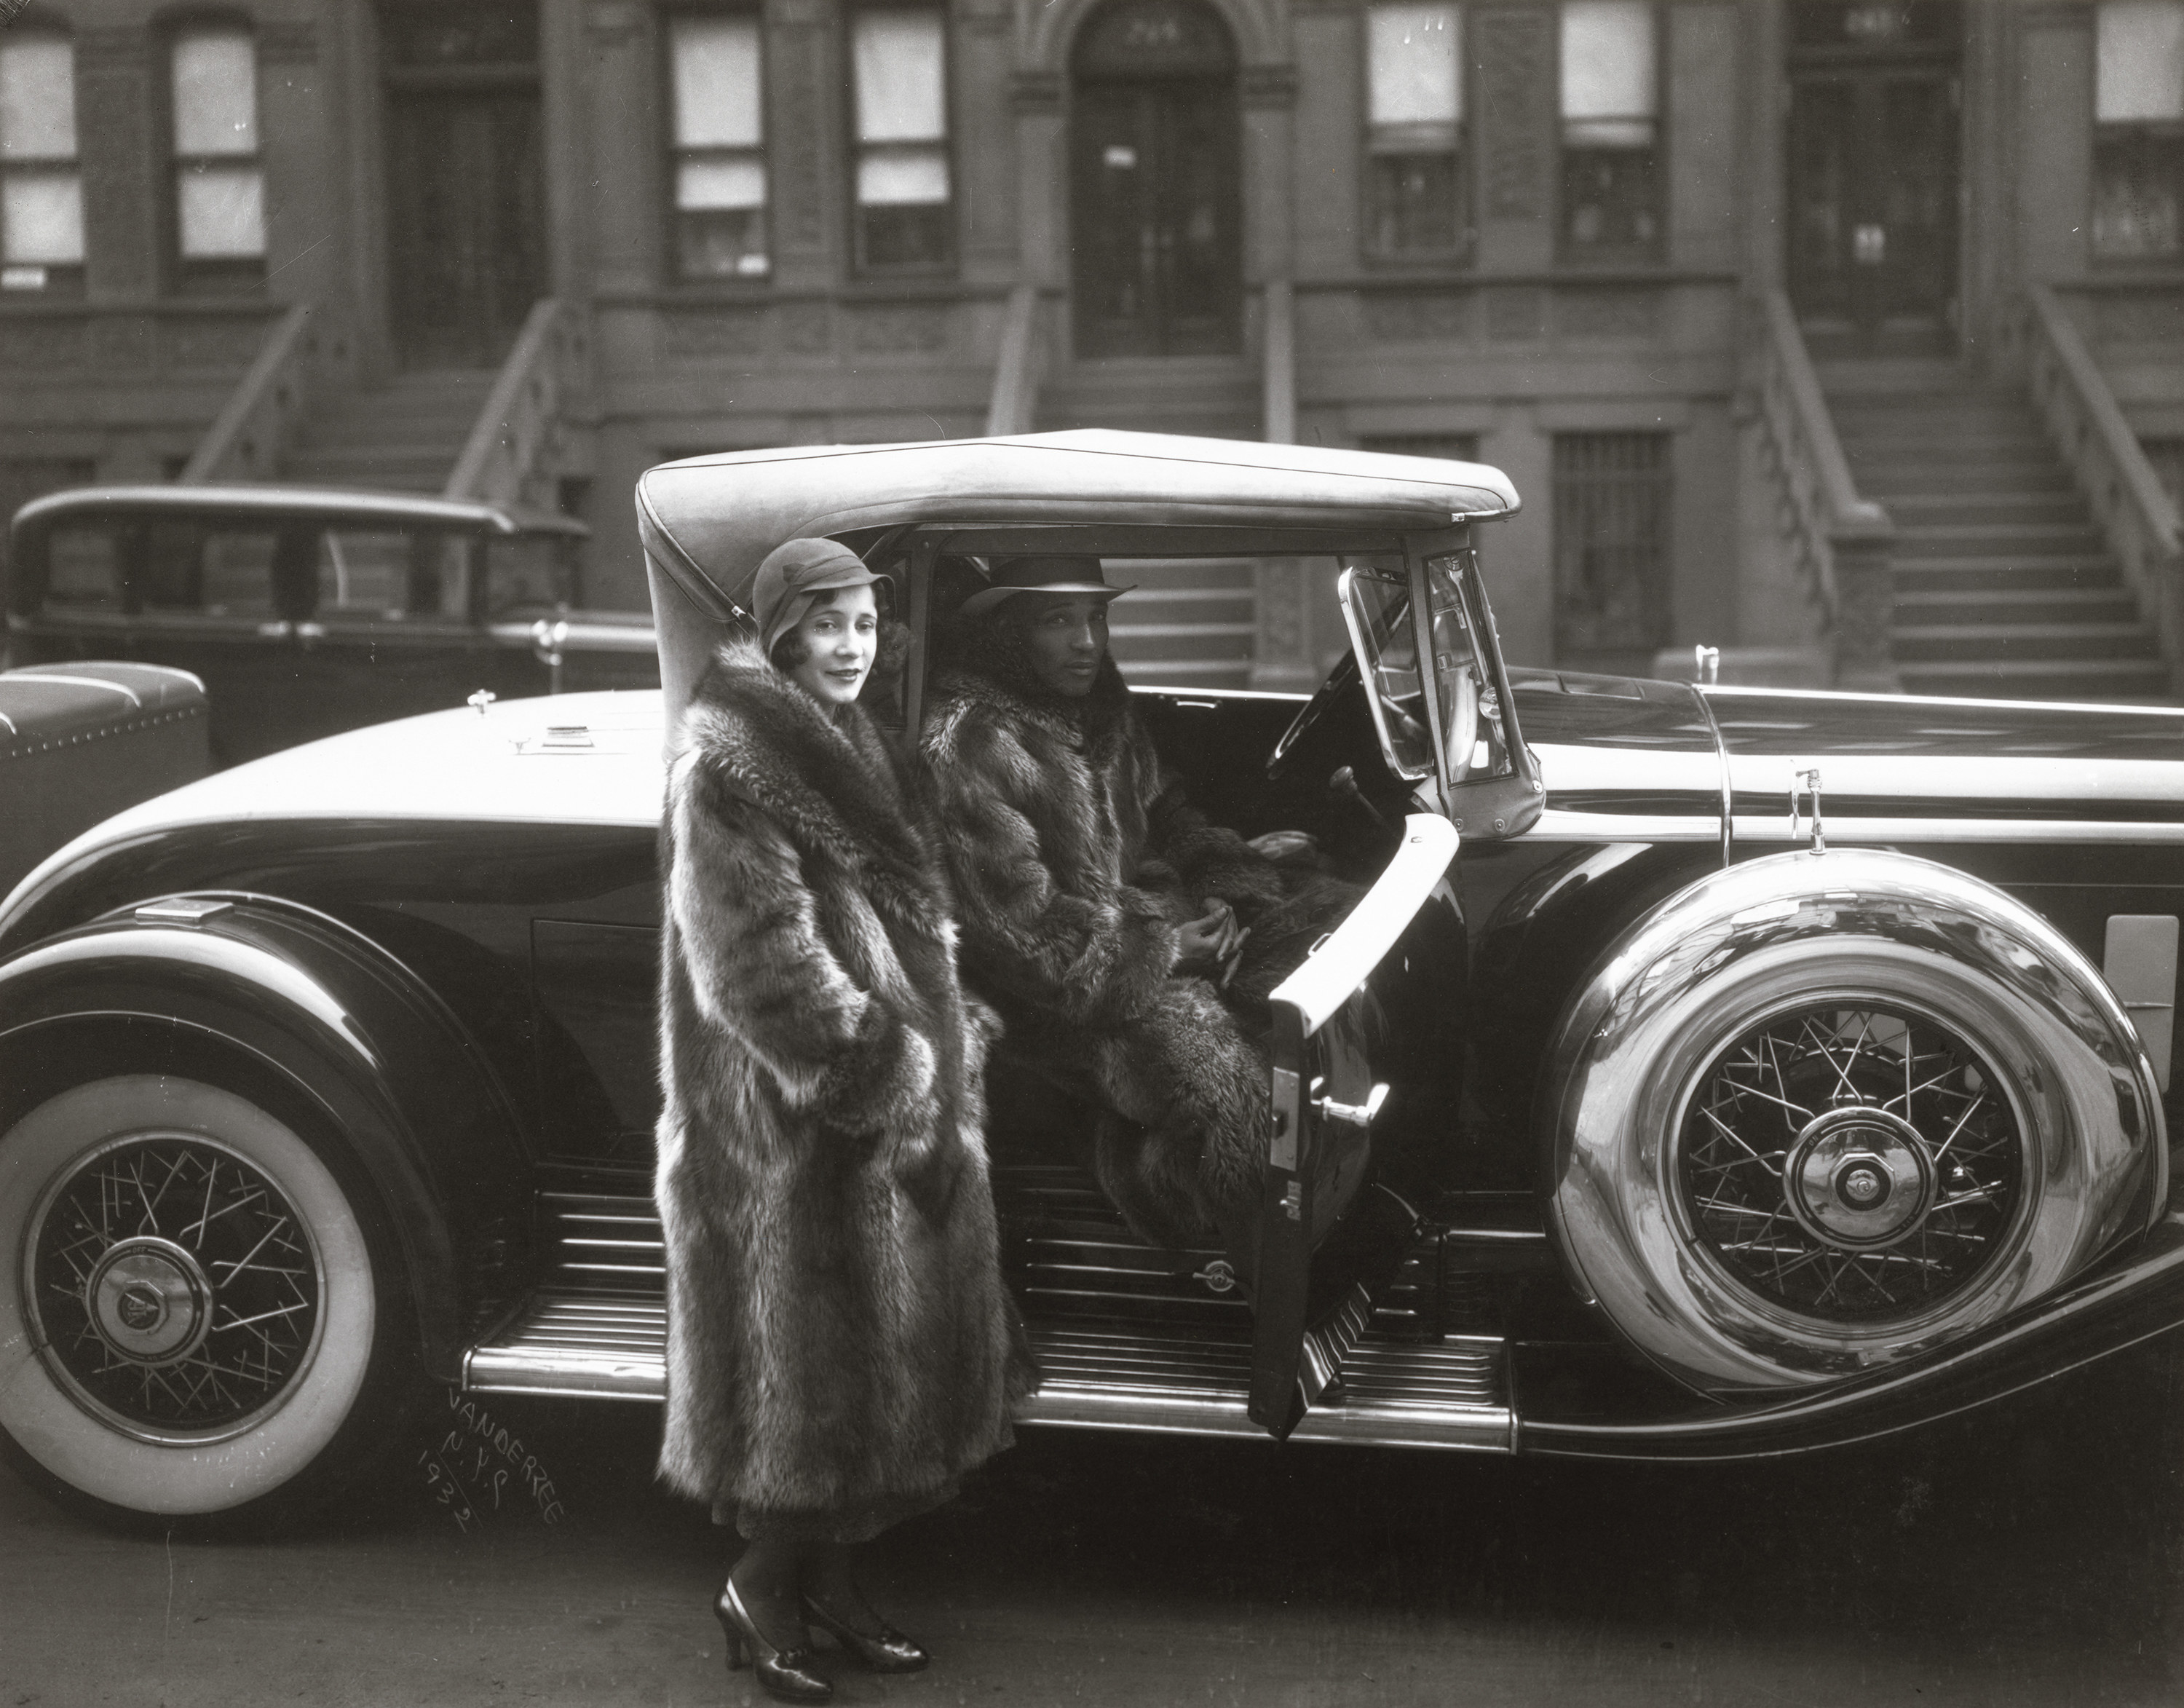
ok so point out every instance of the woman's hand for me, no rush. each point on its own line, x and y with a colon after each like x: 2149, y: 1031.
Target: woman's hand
x: 1207, y: 945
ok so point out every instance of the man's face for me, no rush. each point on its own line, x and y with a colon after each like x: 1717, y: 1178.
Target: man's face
x: 1067, y: 635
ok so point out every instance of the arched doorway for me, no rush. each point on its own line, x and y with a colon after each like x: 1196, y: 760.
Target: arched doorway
x: 1155, y: 209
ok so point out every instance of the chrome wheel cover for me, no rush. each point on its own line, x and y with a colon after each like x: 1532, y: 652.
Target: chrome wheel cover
x: 173, y: 1289
x: 1679, y: 1250
x: 1851, y: 1163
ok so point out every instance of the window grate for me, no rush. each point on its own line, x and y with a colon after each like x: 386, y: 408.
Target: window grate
x: 1612, y: 497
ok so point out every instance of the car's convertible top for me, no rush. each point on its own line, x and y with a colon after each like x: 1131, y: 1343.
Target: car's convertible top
x: 706, y: 525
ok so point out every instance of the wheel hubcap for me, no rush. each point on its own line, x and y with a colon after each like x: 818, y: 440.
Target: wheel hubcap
x: 1858, y: 1178
x: 148, y: 1301
x: 173, y: 1288
x: 1851, y: 1164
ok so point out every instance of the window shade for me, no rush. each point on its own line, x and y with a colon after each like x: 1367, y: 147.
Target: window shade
x: 215, y: 93
x: 38, y: 100
x: 1414, y: 53
x: 1609, y: 86
x: 901, y: 81
x: 2139, y: 61
x: 716, y: 83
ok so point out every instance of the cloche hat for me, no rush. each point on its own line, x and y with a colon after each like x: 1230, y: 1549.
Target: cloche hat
x: 794, y: 574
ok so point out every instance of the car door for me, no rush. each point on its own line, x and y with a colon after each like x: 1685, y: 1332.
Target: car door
x: 1363, y: 1054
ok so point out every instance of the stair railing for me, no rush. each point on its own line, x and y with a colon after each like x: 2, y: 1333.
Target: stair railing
x: 2128, y: 501
x: 1012, y: 406
x: 247, y: 437
x: 517, y: 434
x: 1277, y: 363
x: 1843, y: 542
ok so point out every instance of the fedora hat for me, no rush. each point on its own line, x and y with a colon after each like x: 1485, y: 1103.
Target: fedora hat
x: 1079, y: 575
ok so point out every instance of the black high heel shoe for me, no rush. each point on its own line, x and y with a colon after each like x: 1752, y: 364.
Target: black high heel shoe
x: 884, y: 1651
x: 786, y: 1673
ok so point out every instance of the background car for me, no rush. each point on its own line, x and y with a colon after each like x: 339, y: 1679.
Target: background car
x: 1705, y: 1073
x: 309, y: 610
x: 79, y: 743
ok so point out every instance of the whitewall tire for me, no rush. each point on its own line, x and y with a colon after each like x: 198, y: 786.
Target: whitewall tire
x: 189, y: 1304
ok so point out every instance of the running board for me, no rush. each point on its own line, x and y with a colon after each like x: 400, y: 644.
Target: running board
x: 1450, y: 1393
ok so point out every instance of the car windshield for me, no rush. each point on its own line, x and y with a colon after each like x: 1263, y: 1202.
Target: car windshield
x: 529, y: 574
x: 392, y: 574
x: 1376, y: 604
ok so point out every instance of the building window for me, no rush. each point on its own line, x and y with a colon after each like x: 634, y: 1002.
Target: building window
x: 220, y: 183
x: 720, y: 133
x: 1416, y: 200
x: 41, y: 183
x: 1610, y: 104
x: 1611, y: 547
x: 899, y: 68
x: 2138, y: 134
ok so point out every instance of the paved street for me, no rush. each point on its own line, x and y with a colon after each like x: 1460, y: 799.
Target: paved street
x: 2041, y: 1561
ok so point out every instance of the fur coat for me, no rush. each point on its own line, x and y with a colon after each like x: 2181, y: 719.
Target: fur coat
x: 1075, y: 858
x: 839, y: 1338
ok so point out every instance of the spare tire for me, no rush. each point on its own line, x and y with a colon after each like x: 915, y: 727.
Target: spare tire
x: 1815, y: 1113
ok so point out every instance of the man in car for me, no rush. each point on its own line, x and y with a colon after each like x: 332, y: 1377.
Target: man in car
x: 1103, y: 916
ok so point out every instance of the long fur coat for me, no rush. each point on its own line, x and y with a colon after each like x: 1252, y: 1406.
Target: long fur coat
x: 1076, y: 857
x: 839, y: 1338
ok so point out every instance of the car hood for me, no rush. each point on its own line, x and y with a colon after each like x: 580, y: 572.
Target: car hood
x: 1640, y: 760
x: 570, y: 759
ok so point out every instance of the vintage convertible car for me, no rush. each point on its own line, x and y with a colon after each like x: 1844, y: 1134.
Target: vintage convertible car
x: 1706, y: 1072
x: 307, y: 610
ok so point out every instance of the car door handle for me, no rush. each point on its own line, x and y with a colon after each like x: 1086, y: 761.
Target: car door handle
x: 1359, y: 1115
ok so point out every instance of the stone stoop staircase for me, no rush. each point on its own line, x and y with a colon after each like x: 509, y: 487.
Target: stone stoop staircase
x: 404, y: 435
x: 2004, y: 588
x: 1190, y: 623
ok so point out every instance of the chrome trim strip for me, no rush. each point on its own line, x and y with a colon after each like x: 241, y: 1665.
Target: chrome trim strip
x: 1924, y: 700
x: 1721, y: 762
x: 1770, y: 828
x: 1559, y: 824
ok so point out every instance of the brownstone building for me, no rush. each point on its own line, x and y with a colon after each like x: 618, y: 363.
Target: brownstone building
x: 1844, y: 336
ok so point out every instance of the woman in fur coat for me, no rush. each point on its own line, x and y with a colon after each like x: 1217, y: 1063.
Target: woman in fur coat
x: 841, y: 1348
x: 1100, y: 911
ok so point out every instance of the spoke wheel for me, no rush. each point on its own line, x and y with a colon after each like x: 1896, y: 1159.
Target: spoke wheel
x: 1852, y: 1164
x: 199, y: 1292
x: 173, y: 1287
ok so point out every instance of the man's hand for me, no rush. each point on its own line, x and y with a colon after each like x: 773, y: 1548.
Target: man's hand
x: 1207, y: 945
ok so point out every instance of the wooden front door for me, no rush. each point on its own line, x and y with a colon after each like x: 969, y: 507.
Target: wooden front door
x: 1873, y: 154
x: 1156, y: 205
x: 466, y: 224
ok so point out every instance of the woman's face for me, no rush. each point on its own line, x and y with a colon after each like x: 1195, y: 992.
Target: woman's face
x: 1067, y: 635
x: 840, y: 635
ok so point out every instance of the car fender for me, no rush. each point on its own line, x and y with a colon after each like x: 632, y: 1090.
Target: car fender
x: 350, y: 1030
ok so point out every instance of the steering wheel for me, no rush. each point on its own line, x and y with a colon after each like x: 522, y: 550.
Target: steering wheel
x: 1339, y: 681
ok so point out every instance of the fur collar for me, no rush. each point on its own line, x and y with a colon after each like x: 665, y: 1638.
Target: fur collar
x: 825, y: 774
x: 986, y: 659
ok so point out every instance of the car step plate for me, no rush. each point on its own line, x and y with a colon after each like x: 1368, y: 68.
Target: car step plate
x: 1445, y: 1393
